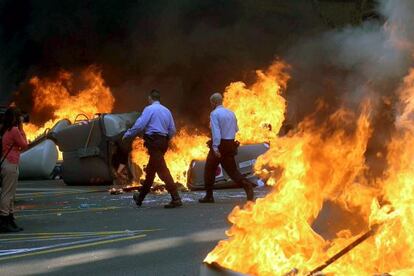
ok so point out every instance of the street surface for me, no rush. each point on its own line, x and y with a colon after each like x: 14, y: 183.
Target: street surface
x: 85, y: 231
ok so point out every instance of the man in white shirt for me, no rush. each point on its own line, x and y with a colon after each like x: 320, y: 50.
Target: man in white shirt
x: 223, y: 148
x: 157, y: 124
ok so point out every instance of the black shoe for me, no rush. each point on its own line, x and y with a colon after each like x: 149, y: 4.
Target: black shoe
x: 175, y: 200
x: 138, y: 198
x: 13, y: 224
x: 173, y: 204
x: 5, y: 225
x: 206, y: 199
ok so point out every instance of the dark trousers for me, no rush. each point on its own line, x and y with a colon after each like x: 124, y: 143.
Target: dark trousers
x: 123, y: 147
x: 157, y: 146
x: 228, y: 149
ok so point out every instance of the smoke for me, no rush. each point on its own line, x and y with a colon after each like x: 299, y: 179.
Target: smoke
x: 348, y: 65
x: 342, y: 68
x: 185, y: 48
x: 189, y: 49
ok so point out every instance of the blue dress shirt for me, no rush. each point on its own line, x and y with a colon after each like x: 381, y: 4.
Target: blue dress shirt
x: 223, y: 124
x: 155, y: 119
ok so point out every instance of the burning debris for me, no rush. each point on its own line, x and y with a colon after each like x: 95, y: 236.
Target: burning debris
x: 60, y: 99
x: 330, y: 156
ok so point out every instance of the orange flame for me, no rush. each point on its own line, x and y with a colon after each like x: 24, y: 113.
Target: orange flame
x: 60, y: 98
x: 258, y: 108
x: 327, y: 163
x: 184, y: 148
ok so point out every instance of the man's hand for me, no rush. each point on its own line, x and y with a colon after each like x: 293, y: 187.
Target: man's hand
x: 217, y: 153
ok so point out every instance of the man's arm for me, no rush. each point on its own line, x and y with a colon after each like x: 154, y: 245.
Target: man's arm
x: 139, y: 125
x: 171, y: 127
x: 215, y: 131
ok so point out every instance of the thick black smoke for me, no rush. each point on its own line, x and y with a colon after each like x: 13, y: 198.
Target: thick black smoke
x: 185, y: 48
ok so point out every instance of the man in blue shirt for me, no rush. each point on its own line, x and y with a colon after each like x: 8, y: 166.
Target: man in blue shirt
x: 223, y: 148
x: 157, y: 124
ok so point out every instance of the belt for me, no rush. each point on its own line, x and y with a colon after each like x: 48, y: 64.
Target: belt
x: 157, y: 135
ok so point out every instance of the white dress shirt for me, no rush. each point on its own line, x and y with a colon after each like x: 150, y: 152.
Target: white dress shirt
x: 223, y: 124
x: 155, y: 119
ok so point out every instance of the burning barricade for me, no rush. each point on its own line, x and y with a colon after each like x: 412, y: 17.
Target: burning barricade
x: 89, y: 148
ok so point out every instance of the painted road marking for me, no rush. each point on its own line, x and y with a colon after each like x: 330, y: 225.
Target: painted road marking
x: 71, y: 233
x: 93, y: 239
x: 14, y: 251
x: 44, y: 250
x: 65, y: 235
x: 57, y: 193
x: 35, y: 238
x: 73, y: 211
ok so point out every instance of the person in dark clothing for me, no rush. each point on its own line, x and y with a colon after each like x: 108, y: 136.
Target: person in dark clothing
x: 120, y: 160
x: 157, y: 124
x: 223, y: 148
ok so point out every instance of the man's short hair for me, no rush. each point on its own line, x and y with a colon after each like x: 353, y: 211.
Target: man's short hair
x: 216, y: 98
x: 155, y: 95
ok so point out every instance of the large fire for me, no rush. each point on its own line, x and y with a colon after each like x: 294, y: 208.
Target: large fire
x: 316, y: 164
x: 259, y: 109
x: 61, y: 99
x: 319, y: 163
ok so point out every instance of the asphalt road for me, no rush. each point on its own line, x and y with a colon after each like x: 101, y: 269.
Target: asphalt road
x: 86, y: 231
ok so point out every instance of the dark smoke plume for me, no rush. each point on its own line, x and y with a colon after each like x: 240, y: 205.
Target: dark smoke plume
x: 185, y: 48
